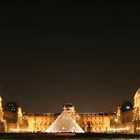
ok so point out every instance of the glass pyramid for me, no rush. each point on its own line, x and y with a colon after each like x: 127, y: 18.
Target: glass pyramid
x: 64, y: 123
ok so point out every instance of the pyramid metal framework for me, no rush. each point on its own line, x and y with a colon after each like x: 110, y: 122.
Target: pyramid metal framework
x: 64, y: 123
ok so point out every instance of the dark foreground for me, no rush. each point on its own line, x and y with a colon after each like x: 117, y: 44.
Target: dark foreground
x: 67, y: 136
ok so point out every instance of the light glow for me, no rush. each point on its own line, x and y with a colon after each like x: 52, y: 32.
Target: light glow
x: 64, y: 123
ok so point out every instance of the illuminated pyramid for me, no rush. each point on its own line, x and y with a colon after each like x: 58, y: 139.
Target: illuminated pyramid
x: 64, y: 123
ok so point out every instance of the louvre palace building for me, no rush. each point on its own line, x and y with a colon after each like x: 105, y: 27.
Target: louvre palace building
x: 125, y: 119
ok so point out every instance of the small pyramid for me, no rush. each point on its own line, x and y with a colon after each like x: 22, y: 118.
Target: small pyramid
x: 64, y: 123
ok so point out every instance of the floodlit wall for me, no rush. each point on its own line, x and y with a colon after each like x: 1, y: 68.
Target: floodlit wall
x: 95, y: 123
x: 39, y: 123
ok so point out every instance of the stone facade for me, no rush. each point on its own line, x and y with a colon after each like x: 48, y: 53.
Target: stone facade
x: 91, y: 122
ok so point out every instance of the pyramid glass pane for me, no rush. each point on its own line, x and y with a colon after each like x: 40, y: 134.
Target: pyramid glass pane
x: 64, y: 123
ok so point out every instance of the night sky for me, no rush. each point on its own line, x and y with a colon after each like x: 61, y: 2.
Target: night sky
x: 54, y: 53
